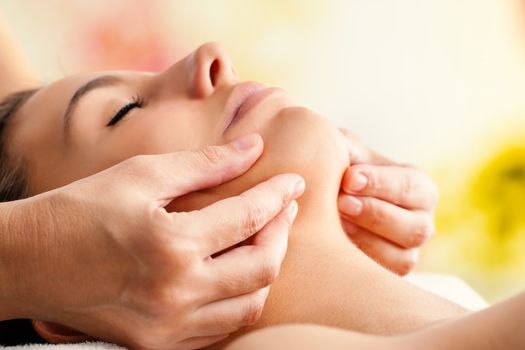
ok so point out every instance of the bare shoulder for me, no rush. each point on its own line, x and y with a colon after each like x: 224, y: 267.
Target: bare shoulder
x: 311, y: 337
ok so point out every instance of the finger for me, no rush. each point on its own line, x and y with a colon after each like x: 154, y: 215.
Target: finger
x: 406, y: 228
x: 246, y: 213
x: 231, y: 314
x: 167, y: 176
x: 248, y: 268
x: 403, y: 186
x: 359, y: 153
x: 200, y: 342
x: 393, y: 257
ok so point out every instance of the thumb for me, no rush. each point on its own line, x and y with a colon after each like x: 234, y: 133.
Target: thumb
x: 167, y: 176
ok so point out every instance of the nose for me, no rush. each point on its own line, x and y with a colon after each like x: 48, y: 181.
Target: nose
x: 209, y: 68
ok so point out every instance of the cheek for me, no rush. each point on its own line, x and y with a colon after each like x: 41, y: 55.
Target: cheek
x: 297, y: 141
x: 156, y: 131
x: 168, y: 129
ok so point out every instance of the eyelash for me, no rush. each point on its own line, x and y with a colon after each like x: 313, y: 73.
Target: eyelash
x: 136, y: 102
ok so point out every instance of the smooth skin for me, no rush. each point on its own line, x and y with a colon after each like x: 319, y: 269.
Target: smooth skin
x: 157, y: 271
x: 55, y: 245
x: 381, y: 239
x: 325, y: 279
x: 253, y: 309
x: 496, y: 328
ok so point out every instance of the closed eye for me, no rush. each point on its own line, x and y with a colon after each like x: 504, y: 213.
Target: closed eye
x: 137, y: 103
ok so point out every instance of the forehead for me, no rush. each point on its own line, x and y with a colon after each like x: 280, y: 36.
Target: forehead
x: 36, y: 132
x: 39, y: 120
x: 52, y: 100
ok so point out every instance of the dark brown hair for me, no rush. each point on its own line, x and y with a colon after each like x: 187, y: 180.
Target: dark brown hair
x: 13, y: 179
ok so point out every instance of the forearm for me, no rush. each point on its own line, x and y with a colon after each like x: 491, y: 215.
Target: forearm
x: 21, y: 254
x: 10, y: 241
x: 15, y: 71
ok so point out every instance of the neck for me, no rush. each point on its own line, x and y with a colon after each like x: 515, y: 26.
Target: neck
x: 318, y: 213
x: 325, y: 279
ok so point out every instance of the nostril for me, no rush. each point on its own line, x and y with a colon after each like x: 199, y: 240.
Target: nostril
x: 214, y: 70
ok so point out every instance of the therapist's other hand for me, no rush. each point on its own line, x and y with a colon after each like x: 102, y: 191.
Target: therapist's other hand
x: 387, y: 209
x: 112, y: 263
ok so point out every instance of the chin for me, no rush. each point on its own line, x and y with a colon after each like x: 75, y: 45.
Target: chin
x: 297, y: 140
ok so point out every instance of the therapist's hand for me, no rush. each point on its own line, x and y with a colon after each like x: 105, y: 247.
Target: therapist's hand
x: 387, y: 209
x: 110, y: 262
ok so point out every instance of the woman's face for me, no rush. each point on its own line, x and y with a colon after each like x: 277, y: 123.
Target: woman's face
x: 88, y: 122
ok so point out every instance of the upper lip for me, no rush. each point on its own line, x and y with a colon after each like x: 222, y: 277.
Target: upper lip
x: 238, y: 96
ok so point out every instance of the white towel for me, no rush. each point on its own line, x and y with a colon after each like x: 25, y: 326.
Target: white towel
x: 79, y: 346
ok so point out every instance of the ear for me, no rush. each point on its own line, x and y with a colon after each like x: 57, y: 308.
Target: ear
x: 56, y: 333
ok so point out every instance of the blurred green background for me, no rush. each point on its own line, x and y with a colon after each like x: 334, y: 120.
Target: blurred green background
x: 440, y: 84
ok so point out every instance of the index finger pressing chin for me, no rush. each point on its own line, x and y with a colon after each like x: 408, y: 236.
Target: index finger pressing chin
x: 233, y: 220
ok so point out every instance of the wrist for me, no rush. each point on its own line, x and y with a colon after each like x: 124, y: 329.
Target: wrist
x: 10, y: 244
x: 22, y: 224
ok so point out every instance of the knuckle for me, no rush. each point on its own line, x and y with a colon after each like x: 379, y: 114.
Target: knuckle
x: 182, y: 253
x: 284, y: 196
x: 374, y: 182
x: 229, y: 281
x: 253, y: 310
x: 427, y: 187
x: 254, y: 218
x: 406, y: 189
x: 281, y: 190
x: 378, y: 214
x: 268, y: 272
x: 211, y: 154
x: 156, y: 222
x: 157, y: 299
x: 176, y: 301
x: 406, y: 266
x: 170, y: 301
x: 173, y: 250
x: 422, y: 233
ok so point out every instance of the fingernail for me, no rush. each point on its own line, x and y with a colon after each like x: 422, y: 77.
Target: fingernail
x: 292, y: 211
x: 246, y: 142
x: 351, y: 206
x: 358, y: 182
x: 298, y: 188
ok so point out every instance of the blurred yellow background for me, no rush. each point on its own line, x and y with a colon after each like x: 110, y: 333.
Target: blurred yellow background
x: 440, y: 84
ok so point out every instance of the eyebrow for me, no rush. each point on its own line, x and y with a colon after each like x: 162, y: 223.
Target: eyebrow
x: 100, y: 82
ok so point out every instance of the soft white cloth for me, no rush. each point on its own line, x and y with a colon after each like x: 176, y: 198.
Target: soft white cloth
x: 451, y: 288
x: 80, y: 346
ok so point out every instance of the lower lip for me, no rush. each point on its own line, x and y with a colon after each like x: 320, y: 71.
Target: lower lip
x: 250, y: 103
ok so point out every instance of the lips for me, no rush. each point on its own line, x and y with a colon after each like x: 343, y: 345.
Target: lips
x: 243, y: 98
